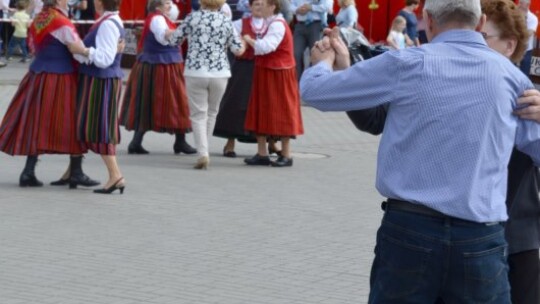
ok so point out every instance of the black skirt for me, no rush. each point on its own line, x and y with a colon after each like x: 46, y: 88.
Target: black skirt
x: 232, y: 112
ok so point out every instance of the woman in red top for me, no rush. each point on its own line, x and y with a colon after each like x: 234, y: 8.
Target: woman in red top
x: 274, y: 107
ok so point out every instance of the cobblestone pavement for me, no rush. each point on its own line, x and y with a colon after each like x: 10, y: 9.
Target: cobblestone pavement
x: 232, y: 234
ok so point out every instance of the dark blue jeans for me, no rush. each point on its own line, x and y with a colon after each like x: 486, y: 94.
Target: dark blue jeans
x: 420, y: 258
x: 16, y: 41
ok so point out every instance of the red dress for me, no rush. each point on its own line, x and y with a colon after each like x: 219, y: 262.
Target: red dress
x: 274, y: 106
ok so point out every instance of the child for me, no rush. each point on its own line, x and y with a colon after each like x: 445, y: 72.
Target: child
x: 21, y: 22
x: 396, y: 39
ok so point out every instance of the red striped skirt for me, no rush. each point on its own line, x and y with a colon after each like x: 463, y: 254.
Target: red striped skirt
x: 274, y: 105
x: 155, y: 99
x: 41, y: 118
x: 97, y: 113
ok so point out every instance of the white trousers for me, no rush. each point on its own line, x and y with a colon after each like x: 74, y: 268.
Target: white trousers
x: 204, y: 95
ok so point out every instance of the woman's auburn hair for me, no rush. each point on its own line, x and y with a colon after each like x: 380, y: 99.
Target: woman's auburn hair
x: 510, y: 22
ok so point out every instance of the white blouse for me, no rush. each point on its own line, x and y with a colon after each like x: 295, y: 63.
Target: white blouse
x: 107, y: 39
x: 257, y: 23
x: 273, y: 37
x: 159, y: 28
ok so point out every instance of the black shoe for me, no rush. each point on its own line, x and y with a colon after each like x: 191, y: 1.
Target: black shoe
x: 112, y: 188
x: 230, y: 154
x: 183, y: 147
x: 29, y: 180
x: 136, y: 149
x: 60, y: 182
x: 282, y: 161
x: 258, y: 160
x: 82, y: 180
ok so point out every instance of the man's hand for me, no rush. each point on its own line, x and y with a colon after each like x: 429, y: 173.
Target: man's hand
x: 531, y: 101
x: 343, y: 59
x: 323, y: 51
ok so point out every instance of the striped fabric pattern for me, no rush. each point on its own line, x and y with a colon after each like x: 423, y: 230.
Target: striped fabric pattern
x: 274, y: 106
x: 97, y: 113
x: 450, y: 130
x: 155, y: 99
x: 41, y: 117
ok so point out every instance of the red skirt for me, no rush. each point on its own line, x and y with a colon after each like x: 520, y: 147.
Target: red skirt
x: 274, y: 105
x: 155, y: 99
x: 41, y: 118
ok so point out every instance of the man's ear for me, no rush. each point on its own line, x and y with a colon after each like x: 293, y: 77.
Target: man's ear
x: 481, y: 23
x: 429, y: 24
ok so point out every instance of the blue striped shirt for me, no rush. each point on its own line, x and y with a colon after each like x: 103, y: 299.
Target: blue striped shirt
x: 450, y: 129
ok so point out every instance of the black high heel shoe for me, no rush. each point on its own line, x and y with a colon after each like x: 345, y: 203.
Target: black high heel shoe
x: 112, y: 188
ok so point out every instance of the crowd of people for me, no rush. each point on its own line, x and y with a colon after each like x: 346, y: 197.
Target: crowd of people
x: 163, y: 93
x: 460, y: 123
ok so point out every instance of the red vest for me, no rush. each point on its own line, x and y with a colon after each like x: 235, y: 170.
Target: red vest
x: 283, y: 56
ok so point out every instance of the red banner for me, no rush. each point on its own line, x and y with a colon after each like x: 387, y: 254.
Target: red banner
x: 132, y: 9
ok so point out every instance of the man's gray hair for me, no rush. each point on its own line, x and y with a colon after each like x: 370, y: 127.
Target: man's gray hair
x: 464, y: 12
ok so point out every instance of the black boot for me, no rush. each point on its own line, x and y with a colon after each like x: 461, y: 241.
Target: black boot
x: 135, y: 146
x: 180, y: 145
x: 28, y: 176
x: 77, y: 176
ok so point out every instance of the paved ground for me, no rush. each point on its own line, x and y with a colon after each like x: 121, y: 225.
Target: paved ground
x: 231, y: 234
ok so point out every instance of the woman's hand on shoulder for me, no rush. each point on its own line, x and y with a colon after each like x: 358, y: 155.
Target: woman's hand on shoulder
x: 529, y: 105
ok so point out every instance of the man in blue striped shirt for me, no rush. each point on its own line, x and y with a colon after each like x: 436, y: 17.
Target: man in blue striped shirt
x: 442, y: 158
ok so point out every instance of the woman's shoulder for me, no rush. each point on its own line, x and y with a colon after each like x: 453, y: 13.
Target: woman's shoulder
x: 113, y: 22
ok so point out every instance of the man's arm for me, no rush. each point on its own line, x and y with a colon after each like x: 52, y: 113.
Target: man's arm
x: 364, y: 85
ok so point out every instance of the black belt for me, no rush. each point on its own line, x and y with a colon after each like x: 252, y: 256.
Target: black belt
x: 394, y: 204
x: 304, y: 22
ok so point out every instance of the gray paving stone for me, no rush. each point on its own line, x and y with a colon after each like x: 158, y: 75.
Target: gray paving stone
x: 229, y: 235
